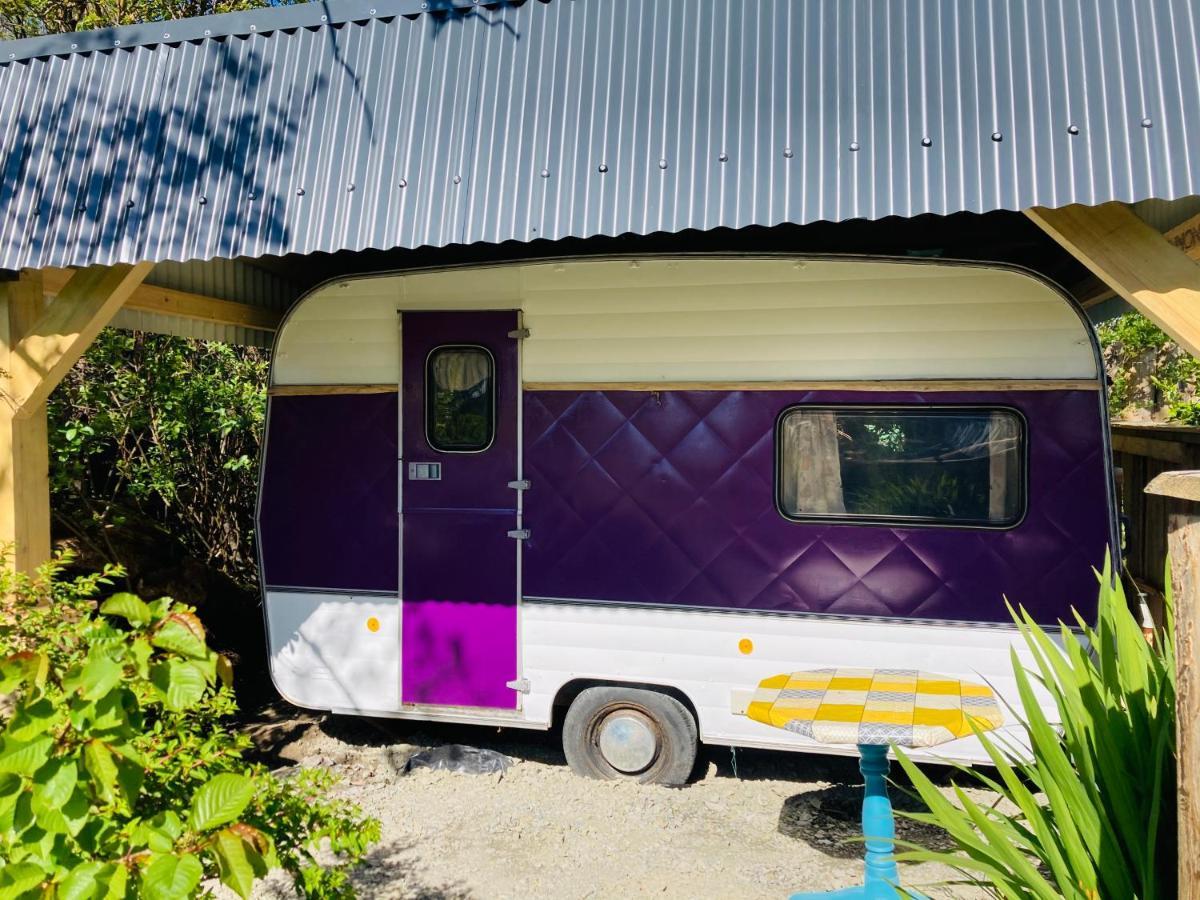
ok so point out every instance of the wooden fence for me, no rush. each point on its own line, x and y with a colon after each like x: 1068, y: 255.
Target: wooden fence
x: 1141, y: 452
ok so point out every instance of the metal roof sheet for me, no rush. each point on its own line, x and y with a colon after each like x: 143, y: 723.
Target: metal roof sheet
x: 394, y: 123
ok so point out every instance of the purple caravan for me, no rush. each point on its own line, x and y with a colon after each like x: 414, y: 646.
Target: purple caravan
x: 634, y: 491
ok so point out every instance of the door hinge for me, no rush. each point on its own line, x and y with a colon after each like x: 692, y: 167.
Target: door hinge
x: 522, y: 485
x: 519, y: 534
x: 520, y: 685
x: 519, y: 334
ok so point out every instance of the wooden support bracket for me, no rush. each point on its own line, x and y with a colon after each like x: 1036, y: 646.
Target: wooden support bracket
x: 1137, y: 262
x: 86, y: 303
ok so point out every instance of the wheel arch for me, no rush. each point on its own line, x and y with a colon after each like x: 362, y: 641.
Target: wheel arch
x: 569, y: 690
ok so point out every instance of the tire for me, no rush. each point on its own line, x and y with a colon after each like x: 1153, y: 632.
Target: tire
x: 630, y: 734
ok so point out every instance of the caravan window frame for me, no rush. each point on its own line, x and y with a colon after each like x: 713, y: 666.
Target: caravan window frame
x: 428, y: 389
x: 948, y: 409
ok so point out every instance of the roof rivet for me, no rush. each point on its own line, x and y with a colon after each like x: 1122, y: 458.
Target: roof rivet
x: 854, y: 146
x: 787, y: 153
x: 116, y: 43
x: 662, y: 163
x: 723, y: 157
x: 254, y: 28
x: 926, y: 142
x: 299, y: 192
x: 129, y: 204
x: 166, y: 35
x: 207, y: 32
x: 350, y: 187
x: 252, y: 195
x: 372, y: 11
x: 533, y: 229
x: 458, y: 179
x: 424, y: 6
x: 1147, y: 122
x: 203, y: 201
x: 73, y: 47
x: 997, y: 136
x: 545, y: 173
x: 1072, y: 129
x: 403, y: 182
x: 324, y: 18
x: 602, y: 168
x: 81, y: 208
x: 14, y: 56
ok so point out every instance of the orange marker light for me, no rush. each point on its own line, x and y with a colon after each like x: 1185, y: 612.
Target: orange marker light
x: 746, y: 646
x: 372, y: 624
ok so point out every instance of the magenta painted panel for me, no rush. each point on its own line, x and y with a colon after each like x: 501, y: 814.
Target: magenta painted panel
x: 458, y: 564
x: 668, y: 498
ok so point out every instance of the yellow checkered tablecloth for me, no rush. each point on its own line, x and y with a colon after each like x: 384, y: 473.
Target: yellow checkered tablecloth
x: 875, y: 706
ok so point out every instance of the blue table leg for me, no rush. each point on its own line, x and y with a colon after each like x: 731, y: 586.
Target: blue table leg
x: 879, y: 829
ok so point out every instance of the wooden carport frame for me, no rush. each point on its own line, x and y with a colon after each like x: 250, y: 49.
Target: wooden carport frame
x: 39, y: 342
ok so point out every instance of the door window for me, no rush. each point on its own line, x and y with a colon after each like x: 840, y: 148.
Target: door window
x: 460, y: 399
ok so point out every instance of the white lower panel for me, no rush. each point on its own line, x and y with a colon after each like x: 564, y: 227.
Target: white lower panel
x: 699, y: 653
x: 332, y: 651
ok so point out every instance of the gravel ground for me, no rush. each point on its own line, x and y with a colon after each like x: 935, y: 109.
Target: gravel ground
x: 758, y: 824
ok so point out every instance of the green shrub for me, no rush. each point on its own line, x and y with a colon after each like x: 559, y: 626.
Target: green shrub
x: 1093, y: 810
x: 1175, y: 374
x: 118, y: 773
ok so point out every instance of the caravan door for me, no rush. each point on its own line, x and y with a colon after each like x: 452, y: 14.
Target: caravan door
x: 458, y: 560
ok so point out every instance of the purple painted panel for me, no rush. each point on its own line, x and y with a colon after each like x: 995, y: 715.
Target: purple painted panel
x: 668, y: 497
x: 459, y: 581
x: 327, y: 514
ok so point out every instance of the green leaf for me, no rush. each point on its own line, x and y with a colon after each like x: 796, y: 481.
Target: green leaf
x: 238, y: 862
x: 167, y: 877
x: 24, y: 757
x: 18, y: 878
x: 32, y: 719
x: 25, y: 667
x: 180, y: 685
x: 129, y: 607
x: 181, y: 633
x: 99, y: 676
x: 220, y: 801
x: 99, y: 762
x: 80, y: 883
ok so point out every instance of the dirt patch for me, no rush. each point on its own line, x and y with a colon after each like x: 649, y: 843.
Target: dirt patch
x: 785, y: 822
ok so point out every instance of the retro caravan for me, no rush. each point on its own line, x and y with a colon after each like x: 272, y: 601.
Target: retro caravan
x: 615, y: 494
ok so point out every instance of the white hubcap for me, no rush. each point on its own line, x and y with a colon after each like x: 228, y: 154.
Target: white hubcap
x: 628, y: 741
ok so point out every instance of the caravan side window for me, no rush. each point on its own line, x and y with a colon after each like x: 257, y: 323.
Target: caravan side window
x: 460, y: 399
x: 918, y: 466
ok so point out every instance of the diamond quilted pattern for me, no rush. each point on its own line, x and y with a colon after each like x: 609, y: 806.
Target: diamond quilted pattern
x: 667, y: 497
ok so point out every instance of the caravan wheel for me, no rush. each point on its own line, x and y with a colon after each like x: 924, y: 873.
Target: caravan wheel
x: 629, y: 733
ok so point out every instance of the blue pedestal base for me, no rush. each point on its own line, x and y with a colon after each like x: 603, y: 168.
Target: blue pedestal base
x: 879, y: 829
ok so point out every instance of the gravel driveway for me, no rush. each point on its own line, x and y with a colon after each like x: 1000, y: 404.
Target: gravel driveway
x: 758, y: 824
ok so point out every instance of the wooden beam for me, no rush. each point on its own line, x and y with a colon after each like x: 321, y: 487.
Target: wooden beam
x: 167, y: 301
x: 24, y: 451
x: 1133, y: 259
x: 1183, y: 546
x: 85, y: 304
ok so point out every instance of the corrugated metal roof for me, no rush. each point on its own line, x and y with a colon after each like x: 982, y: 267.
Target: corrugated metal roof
x: 280, y: 132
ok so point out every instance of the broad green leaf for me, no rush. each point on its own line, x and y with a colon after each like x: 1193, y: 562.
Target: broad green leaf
x: 168, y: 877
x: 219, y: 801
x: 17, y: 878
x: 56, y: 781
x: 127, y: 606
x: 32, y: 719
x: 238, y: 862
x: 99, y: 676
x: 24, y: 757
x: 81, y: 882
x: 25, y: 667
x: 181, y: 633
x: 160, y: 832
x: 180, y: 685
x: 99, y: 762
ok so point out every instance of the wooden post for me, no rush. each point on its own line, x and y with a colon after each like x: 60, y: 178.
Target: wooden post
x: 1183, y: 545
x: 39, y: 342
x: 24, y: 452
